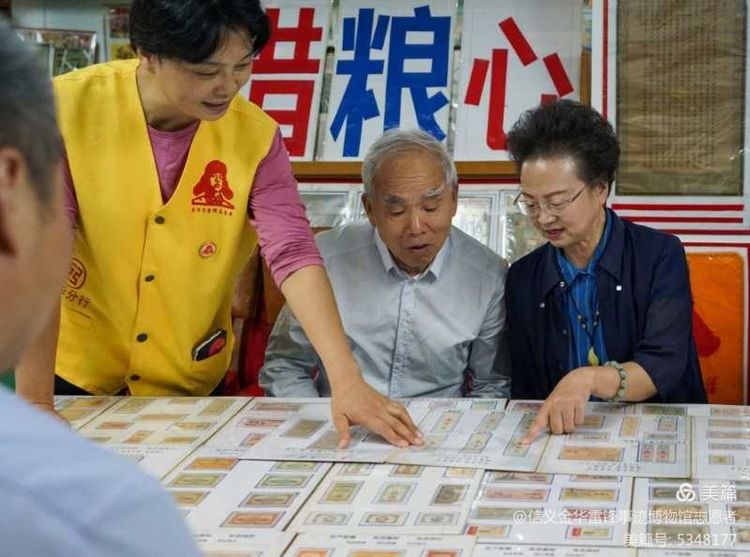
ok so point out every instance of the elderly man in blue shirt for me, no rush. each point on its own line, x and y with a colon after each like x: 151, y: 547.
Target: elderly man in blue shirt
x: 603, y: 309
x: 61, y: 495
x: 422, y: 302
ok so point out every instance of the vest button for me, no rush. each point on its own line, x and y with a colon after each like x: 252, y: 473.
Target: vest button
x: 149, y: 278
x: 143, y: 337
x: 159, y: 220
x: 135, y: 377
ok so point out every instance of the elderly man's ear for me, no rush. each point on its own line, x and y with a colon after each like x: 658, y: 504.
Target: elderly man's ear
x: 367, y: 204
x: 12, y: 177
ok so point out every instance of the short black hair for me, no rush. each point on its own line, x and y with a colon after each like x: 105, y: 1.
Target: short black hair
x: 27, y: 112
x: 192, y: 30
x: 567, y: 128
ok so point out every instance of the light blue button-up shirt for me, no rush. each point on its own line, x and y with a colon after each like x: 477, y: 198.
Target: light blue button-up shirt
x: 439, y: 334
x: 582, y: 294
x: 62, y: 495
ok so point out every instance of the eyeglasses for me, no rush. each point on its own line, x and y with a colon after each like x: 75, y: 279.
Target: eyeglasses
x: 554, y: 208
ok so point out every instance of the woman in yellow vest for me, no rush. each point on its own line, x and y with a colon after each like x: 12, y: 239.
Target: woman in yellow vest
x: 172, y: 178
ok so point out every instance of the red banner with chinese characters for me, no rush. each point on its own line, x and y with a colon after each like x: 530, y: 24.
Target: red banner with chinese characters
x: 718, y: 284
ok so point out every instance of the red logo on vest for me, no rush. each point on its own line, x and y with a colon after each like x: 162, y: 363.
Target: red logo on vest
x: 212, y: 192
x: 76, y: 274
x: 207, y: 250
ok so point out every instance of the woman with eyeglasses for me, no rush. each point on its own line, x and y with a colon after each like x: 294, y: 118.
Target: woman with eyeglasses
x: 603, y: 310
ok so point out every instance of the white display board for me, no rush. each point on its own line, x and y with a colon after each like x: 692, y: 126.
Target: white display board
x: 556, y: 509
x: 536, y: 550
x: 621, y: 439
x: 696, y: 514
x: 215, y: 489
x: 721, y: 448
x: 173, y: 421
x: 219, y: 542
x: 80, y: 410
x: 390, y: 499
x: 288, y: 74
x: 392, y: 69
x: 514, y: 55
x: 343, y: 545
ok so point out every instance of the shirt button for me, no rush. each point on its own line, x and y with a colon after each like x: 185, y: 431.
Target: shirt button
x: 565, y: 332
x: 143, y: 337
x: 149, y: 278
x: 135, y: 377
x: 159, y: 220
x: 562, y: 284
x: 541, y: 305
x: 618, y: 287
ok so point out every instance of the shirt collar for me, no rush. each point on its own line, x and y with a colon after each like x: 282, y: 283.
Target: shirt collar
x: 390, y: 265
x: 609, y: 258
x: 569, y: 271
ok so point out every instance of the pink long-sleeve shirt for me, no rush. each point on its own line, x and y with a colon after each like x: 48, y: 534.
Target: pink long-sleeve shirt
x: 274, y: 208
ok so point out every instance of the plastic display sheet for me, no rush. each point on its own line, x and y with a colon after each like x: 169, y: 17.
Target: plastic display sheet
x: 632, y: 440
x: 328, y: 208
x: 343, y: 545
x: 157, y: 460
x: 536, y: 550
x: 220, y: 542
x: 390, y: 499
x: 685, y: 551
x: 45, y: 54
x: 168, y: 422
x: 79, y: 410
x: 116, y: 29
x: 696, y: 514
x: 216, y: 489
x: 517, y: 231
x: 259, y: 418
x: 457, y: 432
x: 718, y: 410
x: 681, y: 97
x: 60, y: 50
x: 476, y: 216
x: 477, y: 437
x: 721, y: 447
x: 301, y: 429
x: 538, y: 508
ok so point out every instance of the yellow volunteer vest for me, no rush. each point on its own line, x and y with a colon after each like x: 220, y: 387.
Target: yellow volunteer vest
x: 149, y: 281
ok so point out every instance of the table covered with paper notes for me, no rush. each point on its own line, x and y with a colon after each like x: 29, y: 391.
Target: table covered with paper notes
x: 264, y: 477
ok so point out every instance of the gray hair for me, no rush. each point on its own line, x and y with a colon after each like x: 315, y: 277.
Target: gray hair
x: 397, y: 141
x: 27, y: 111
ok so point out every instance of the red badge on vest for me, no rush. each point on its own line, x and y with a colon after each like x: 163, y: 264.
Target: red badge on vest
x: 212, y: 192
x: 76, y: 274
x: 207, y: 250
